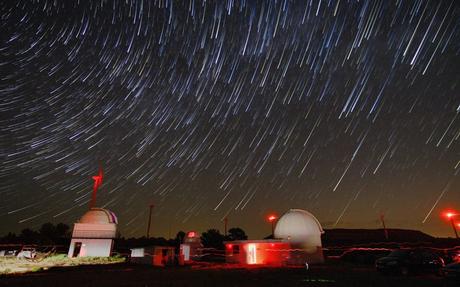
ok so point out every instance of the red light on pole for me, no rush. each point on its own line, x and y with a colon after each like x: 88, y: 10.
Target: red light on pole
x: 271, y: 219
x: 450, y: 216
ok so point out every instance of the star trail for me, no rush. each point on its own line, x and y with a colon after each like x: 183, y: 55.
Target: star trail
x: 214, y: 109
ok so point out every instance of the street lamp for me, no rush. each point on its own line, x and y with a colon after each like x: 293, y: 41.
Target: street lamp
x: 450, y: 216
x: 271, y: 219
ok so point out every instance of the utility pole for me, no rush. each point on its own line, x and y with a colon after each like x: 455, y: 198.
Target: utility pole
x: 382, y: 219
x: 453, y: 226
x: 150, y: 220
x: 451, y: 219
x: 450, y: 216
x: 225, y: 225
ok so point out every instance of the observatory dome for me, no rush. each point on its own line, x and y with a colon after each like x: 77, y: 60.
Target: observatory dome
x: 99, y: 216
x: 299, y: 225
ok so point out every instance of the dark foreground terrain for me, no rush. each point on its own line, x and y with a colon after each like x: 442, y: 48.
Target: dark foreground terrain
x: 139, y: 275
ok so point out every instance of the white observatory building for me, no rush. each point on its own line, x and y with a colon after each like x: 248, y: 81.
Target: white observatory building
x: 93, y: 234
x: 297, y: 241
x: 300, y: 226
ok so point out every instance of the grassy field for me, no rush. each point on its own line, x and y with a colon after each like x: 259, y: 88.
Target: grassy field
x: 217, y: 275
x: 10, y: 265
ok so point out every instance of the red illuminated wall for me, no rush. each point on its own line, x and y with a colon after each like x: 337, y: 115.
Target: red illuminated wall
x: 252, y: 253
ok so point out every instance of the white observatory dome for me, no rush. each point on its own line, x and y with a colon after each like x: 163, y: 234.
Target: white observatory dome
x: 300, y: 226
x: 99, y: 216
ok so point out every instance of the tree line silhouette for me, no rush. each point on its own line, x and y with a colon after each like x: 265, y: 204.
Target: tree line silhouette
x: 47, y: 234
x: 60, y: 234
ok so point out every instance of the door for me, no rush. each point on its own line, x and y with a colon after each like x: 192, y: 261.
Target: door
x: 76, y: 249
x: 251, y: 256
x: 186, y: 252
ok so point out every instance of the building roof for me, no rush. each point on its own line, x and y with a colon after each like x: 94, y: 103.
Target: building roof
x: 297, y: 225
x: 99, y: 216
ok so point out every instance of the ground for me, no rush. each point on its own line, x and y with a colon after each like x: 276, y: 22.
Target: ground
x: 15, y: 265
x: 220, y: 275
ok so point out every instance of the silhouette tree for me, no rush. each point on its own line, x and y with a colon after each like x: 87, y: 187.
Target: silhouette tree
x: 236, y: 233
x: 10, y: 238
x: 62, y: 230
x: 212, y: 239
x: 28, y: 236
x: 180, y: 237
x: 48, y: 233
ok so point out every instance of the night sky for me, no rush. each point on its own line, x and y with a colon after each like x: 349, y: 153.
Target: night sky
x: 230, y: 108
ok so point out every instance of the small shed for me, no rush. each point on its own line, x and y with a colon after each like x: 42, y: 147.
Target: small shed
x: 154, y: 255
x: 191, y: 248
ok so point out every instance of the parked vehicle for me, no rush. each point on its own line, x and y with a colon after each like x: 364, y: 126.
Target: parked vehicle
x: 27, y: 252
x: 11, y: 253
x: 410, y: 261
x: 454, y: 254
x: 449, y: 255
x: 364, y: 255
x: 451, y: 270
